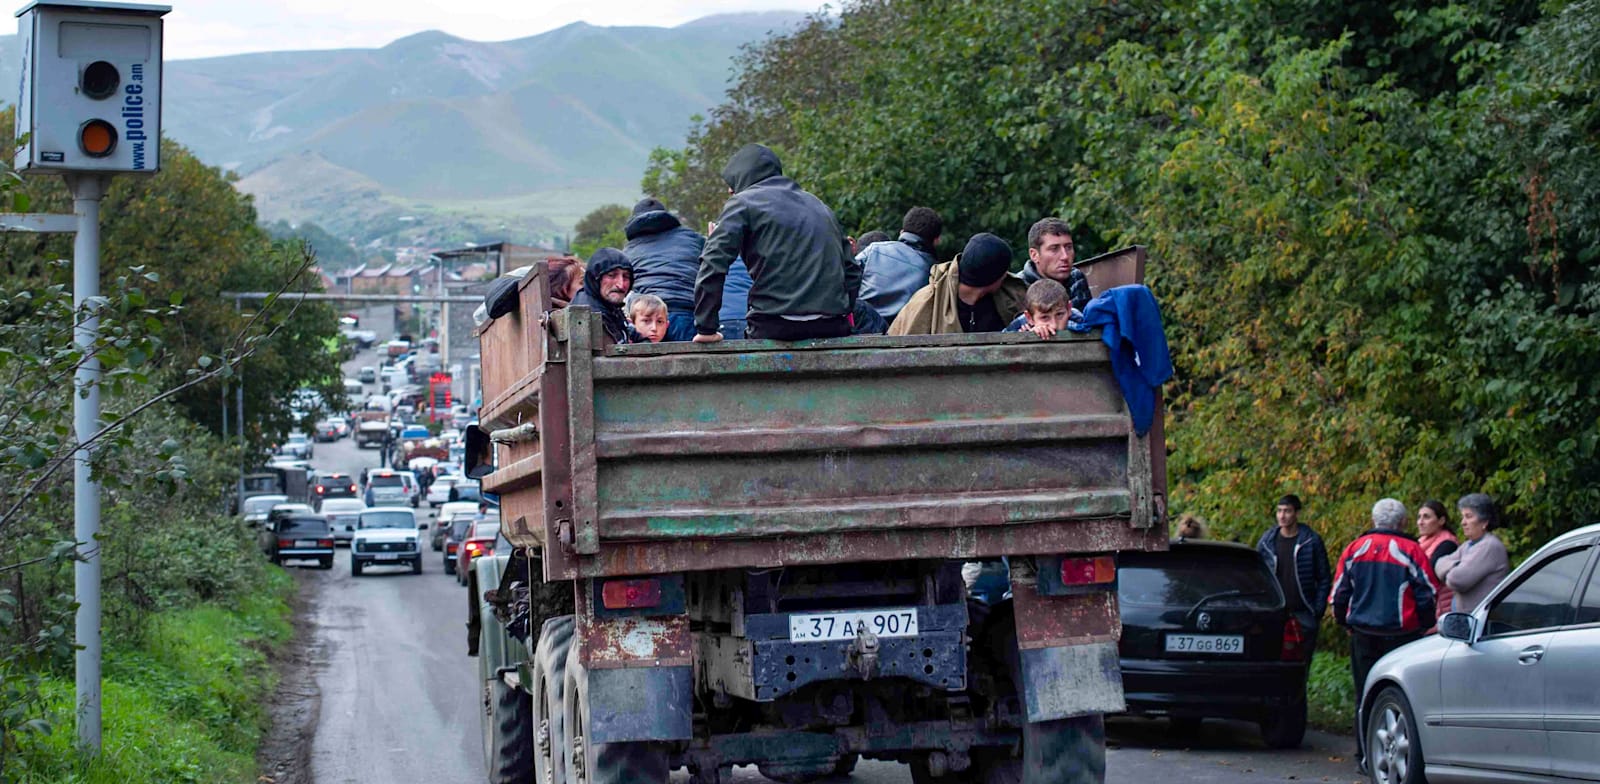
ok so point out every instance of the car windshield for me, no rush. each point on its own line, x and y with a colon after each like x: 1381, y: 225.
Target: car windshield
x: 388, y: 519
x: 459, y: 526
x: 386, y: 480
x: 1185, y: 578
x: 262, y: 504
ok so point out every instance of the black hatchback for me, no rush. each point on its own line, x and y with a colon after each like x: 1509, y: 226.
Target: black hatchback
x: 1205, y: 635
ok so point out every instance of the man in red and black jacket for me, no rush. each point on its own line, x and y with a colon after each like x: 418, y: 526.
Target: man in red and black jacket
x: 1383, y: 591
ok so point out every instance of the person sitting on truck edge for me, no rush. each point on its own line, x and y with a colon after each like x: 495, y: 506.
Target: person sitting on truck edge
x: 606, y: 284
x: 974, y: 293
x: 666, y: 257
x: 892, y: 271
x: 804, y: 277
x: 1050, y: 255
x: 649, y: 316
x: 1047, y: 311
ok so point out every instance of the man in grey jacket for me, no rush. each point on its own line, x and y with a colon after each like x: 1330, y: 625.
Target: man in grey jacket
x: 804, y: 276
x: 892, y: 271
x: 666, y: 257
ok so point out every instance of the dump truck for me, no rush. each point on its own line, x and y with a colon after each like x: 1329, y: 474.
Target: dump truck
x: 752, y: 552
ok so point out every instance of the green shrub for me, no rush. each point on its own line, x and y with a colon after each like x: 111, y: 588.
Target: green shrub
x: 1330, y: 693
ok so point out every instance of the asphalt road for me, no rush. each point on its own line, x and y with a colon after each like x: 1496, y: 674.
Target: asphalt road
x: 399, y: 694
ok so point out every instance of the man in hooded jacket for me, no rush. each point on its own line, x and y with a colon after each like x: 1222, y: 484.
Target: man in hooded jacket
x: 606, y: 284
x: 804, y: 276
x: 974, y: 293
x: 666, y: 257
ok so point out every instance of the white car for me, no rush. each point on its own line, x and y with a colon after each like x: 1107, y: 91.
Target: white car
x: 343, y: 516
x: 385, y: 537
x: 256, y: 507
x: 439, y: 491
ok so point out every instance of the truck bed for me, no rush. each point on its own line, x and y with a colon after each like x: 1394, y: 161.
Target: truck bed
x: 660, y: 458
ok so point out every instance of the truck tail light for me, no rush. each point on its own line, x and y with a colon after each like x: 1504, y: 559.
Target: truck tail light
x: 1294, y: 641
x: 1095, y: 570
x: 625, y: 594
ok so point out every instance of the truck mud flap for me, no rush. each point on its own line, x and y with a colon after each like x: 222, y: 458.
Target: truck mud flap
x: 644, y: 703
x: 1067, y: 647
x: 639, y: 668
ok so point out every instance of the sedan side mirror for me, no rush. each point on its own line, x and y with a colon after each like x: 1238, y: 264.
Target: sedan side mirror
x: 1458, y: 626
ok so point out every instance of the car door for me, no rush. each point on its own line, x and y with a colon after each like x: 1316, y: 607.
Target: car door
x: 1491, y: 714
x: 1572, y: 689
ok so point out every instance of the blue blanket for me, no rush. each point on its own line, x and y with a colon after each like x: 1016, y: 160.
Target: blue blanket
x: 1130, y: 323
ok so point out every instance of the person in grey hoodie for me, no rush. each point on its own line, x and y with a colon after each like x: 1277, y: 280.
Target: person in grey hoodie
x: 892, y: 271
x: 666, y: 257
x: 804, y: 276
x: 1481, y: 562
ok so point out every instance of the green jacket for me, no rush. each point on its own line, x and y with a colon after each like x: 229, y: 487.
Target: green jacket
x: 932, y: 310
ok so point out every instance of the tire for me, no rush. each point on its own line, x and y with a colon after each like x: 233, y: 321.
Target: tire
x: 606, y: 763
x: 449, y: 565
x: 921, y: 774
x: 355, y: 568
x: 1062, y: 751
x: 550, y: 671
x: 507, y: 724
x: 416, y: 565
x: 1286, y: 728
x: 1184, y: 726
x: 1393, y: 749
x: 326, y: 563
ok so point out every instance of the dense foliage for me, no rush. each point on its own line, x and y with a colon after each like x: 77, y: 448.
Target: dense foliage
x: 1374, y: 226
x: 601, y: 228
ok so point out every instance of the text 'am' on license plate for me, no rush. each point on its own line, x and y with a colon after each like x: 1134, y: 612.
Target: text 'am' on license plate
x: 848, y: 624
x: 1205, y: 643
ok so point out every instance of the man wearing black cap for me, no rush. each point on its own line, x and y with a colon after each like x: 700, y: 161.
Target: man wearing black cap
x: 606, y: 283
x: 804, y: 275
x: 974, y: 293
x: 666, y: 257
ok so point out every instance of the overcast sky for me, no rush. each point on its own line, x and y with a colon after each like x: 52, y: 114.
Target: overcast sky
x: 206, y: 28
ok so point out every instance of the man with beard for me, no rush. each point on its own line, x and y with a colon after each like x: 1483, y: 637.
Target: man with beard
x: 606, y: 284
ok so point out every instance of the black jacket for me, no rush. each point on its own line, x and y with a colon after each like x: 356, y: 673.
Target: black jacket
x: 665, y: 255
x: 793, y: 245
x: 605, y: 260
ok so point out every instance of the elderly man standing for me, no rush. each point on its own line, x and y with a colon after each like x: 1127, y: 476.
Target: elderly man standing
x: 1383, y: 591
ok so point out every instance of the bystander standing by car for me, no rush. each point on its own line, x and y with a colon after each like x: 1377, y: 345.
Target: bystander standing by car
x: 1383, y: 591
x: 1481, y: 563
x: 1438, y: 541
x: 1297, y: 556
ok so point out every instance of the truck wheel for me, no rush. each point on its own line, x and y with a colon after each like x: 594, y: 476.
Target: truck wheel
x: 507, y: 716
x: 1286, y: 728
x: 605, y: 763
x: 1063, y: 751
x: 922, y: 773
x: 549, y: 721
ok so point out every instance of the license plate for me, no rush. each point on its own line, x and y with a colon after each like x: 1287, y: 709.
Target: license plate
x: 387, y: 556
x: 305, y: 543
x: 846, y: 625
x: 1205, y: 643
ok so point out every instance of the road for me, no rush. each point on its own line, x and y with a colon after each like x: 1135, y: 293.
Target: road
x: 399, y: 697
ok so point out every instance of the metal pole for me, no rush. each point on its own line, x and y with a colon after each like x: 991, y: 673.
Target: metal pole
x: 87, y: 190
x: 238, y: 399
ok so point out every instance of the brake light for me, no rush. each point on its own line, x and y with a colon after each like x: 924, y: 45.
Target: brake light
x: 352, y: 488
x: 325, y: 542
x: 321, y: 489
x: 622, y: 594
x: 1088, y: 571
x: 474, y: 547
x: 285, y: 543
x: 1294, y: 641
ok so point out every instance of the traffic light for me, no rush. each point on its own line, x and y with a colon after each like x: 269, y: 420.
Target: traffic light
x: 90, y: 87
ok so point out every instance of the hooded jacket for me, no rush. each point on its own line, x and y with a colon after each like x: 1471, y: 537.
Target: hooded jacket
x: 892, y: 271
x: 1077, y: 284
x: 665, y: 255
x: 932, y: 310
x: 605, y: 260
x: 799, y: 261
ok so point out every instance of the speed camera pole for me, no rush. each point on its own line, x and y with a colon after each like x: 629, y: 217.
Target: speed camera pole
x: 89, y: 108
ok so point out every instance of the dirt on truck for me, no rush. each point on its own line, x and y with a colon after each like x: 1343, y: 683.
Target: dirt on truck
x: 752, y: 552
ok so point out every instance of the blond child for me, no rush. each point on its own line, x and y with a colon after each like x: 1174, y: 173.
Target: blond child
x: 649, y: 316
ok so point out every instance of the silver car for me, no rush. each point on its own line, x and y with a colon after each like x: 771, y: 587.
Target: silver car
x: 1508, y: 693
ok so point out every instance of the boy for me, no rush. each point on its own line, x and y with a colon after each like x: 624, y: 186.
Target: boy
x: 1047, y: 310
x: 648, y: 313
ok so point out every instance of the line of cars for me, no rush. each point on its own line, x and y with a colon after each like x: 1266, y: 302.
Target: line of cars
x: 380, y: 529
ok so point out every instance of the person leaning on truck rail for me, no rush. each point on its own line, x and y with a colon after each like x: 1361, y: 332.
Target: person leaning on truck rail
x: 804, y: 277
x: 974, y: 293
x: 1050, y: 255
x: 606, y: 284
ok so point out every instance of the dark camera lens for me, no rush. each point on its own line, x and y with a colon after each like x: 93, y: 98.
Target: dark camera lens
x: 100, y: 80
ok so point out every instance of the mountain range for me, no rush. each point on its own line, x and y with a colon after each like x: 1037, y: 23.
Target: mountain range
x: 436, y: 133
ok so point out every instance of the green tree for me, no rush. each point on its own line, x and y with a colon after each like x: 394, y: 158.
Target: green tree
x: 601, y: 228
